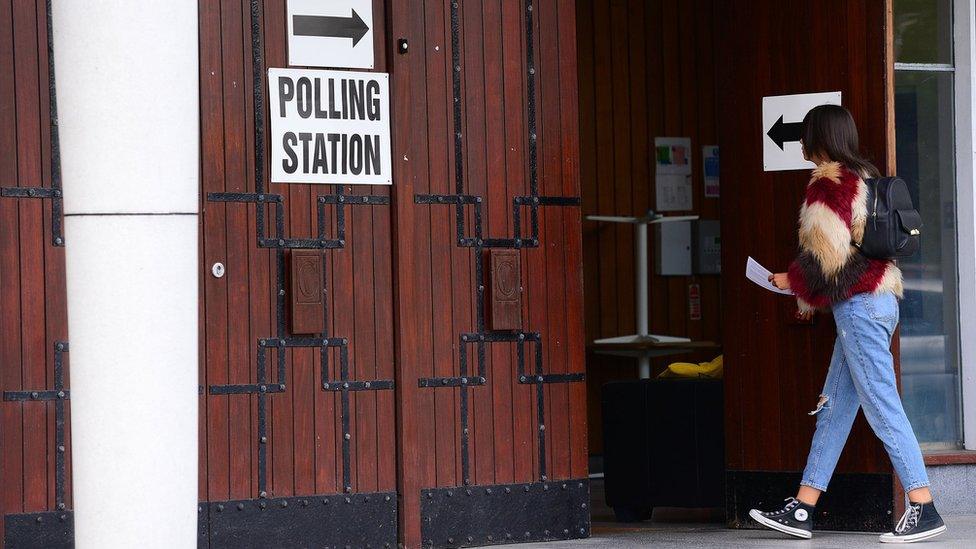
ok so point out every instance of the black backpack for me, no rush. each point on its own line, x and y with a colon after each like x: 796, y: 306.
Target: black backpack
x: 893, y: 225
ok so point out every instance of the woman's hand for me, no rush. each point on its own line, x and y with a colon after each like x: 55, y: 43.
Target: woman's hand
x: 780, y: 280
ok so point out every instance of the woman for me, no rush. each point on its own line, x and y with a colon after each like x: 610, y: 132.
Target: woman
x: 862, y: 293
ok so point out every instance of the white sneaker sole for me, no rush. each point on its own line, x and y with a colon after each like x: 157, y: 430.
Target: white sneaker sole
x: 768, y: 523
x: 888, y: 538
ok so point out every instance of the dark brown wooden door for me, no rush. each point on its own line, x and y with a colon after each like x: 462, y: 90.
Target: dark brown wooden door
x: 775, y: 368
x: 297, y: 431
x: 492, y: 437
x: 418, y: 391
x: 35, y: 483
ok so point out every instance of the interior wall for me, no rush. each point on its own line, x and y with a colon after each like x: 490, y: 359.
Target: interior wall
x: 775, y: 367
x: 646, y: 70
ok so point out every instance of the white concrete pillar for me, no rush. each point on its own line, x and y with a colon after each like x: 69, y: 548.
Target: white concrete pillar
x: 128, y: 88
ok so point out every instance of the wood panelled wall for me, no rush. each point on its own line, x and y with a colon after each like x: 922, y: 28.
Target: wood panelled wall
x: 775, y: 368
x: 646, y: 70
x: 33, y: 312
x: 436, y: 289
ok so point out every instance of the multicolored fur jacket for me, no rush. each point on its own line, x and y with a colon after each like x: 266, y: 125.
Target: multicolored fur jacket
x: 829, y: 268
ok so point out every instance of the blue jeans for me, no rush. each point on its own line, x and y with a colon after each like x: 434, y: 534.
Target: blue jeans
x: 862, y: 375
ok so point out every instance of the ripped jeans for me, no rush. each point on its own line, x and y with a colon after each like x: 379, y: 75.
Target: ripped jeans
x: 862, y: 375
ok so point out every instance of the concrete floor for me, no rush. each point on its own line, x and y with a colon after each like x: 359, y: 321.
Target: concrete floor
x: 961, y: 534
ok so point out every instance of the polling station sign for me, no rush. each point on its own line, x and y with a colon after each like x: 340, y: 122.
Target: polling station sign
x: 330, y: 127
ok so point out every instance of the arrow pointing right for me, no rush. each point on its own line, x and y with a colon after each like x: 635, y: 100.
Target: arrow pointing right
x: 330, y: 27
x: 783, y: 132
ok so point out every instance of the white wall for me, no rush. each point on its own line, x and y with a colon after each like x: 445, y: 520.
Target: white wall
x: 127, y: 86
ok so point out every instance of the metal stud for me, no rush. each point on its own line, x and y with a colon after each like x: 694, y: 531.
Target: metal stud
x: 240, y: 506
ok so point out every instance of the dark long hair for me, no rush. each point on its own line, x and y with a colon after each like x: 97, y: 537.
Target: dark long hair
x: 829, y: 131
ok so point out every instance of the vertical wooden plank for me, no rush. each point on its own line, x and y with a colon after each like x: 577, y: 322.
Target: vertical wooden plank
x: 383, y: 301
x: 364, y: 338
x: 606, y: 204
x: 233, y: 98
x: 587, y: 135
x: 514, y: 104
x: 215, y: 291
x: 622, y: 183
x: 477, y: 180
x: 439, y: 154
x: 208, y: 11
x: 577, y: 463
x: 498, y: 223
x: 553, y: 243
x: 33, y: 345
x: 660, y: 52
x: 281, y: 406
x: 11, y: 375
x: 412, y: 253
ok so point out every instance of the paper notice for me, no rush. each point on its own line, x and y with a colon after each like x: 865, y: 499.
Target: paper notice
x: 760, y: 275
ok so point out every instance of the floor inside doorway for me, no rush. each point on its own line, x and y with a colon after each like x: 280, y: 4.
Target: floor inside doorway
x: 706, y: 528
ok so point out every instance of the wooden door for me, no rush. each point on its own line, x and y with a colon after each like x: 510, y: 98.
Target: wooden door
x: 297, y: 431
x: 492, y: 424
x: 774, y: 367
x: 35, y: 449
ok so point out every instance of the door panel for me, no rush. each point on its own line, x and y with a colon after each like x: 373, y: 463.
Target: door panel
x: 297, y: 430
x: 35, y: 447
x: 775, y: 368
x: 492, y: 422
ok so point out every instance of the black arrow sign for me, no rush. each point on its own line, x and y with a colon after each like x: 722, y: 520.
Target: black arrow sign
x: 783, y: 132
x: 331, y: 27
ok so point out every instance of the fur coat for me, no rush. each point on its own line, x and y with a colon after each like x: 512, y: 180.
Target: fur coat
x: 828, y: 267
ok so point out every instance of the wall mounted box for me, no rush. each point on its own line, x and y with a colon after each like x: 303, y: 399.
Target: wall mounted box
x: 672, y: 248
x: 707, y: 242
x: 306, y: 292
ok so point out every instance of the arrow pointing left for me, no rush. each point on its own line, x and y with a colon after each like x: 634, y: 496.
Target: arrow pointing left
x: 784, y: 132
x: 331, y: 27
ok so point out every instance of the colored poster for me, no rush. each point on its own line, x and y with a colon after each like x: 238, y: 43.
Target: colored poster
x: 672, y: 155
x: 710, y: 170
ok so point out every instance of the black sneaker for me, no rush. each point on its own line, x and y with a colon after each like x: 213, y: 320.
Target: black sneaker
x: 795, y: 519
x: 920, y: 522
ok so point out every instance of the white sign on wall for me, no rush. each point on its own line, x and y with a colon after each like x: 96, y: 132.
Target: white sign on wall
x: 330, y: 33
x: 782, y: 123
x: 330, y: 127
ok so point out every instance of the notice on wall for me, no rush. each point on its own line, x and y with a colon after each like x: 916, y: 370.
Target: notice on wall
x: 672, y: 155
x: 782, y: 123
x: 330, y: 127
x: 710, y: 170
x: 672, y: 193
x: 332, y: 33
x: 672, y: 179
x: 694, y: 302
